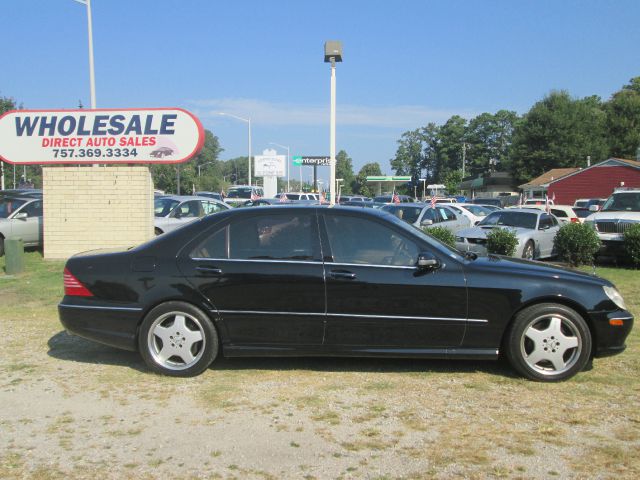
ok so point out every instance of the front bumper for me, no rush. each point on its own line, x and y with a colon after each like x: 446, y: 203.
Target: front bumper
x: 609, y: 339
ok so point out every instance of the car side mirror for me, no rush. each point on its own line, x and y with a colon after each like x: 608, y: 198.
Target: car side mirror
x: 426, y: 261
x: 21, y: 216
x: 594, y: 208
x: 425, y: 223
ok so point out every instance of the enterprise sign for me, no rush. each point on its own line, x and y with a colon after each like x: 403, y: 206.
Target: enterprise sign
x: 311, y: 160
x: 154, y: 135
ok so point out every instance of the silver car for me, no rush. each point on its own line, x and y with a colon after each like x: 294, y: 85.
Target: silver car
x: 21, y: 218
x: 535, y: 230
x: 422, y: 215
x: 173, y: 211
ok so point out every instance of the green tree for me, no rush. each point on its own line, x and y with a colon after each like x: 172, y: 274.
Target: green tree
x: 623, y: 120
x: 359, y: 185
x: 451, y: 136
x: 558, y: 131
x: 489, y: 136
x: 409, y: 156
x: 344, y: 170
x: 451, y: 180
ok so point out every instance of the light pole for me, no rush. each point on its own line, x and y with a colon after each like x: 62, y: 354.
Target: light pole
x: 332, y: 54
x: 288, y: 160
x: 92, y: 77
x: 339, y: 187
x: 248, y: 121
x: 424, y: 188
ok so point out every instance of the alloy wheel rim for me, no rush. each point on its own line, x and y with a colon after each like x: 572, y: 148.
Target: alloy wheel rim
x: 176, y: 340
x: 551, y: 344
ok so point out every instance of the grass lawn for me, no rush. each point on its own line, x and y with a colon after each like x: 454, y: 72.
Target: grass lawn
x: 74, y: 409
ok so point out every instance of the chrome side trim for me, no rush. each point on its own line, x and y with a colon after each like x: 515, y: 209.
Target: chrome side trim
x: 353, y: 315
x: 315, y: 262
x: 124, y: 309
x: 263, y: 260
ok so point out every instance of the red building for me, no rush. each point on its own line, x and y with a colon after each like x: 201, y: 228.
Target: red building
x: 596, y: 181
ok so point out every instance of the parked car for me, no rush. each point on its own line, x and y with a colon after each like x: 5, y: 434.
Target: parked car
x: 21, y: 218
x: 582, y: 213
x: 587, y: 202
x: 389, y: 199
x: 173, y: 211
x: 239, y: 194
x: 536, y: 202
x: 214, y: 195
x: 496, y: 202
x: 422, y: 215
x: 294, y: 196
x: 535, y: 230
x: 358, y: 283
x: 564, y: 213
x: 619, y: 212
x: 475, y: 213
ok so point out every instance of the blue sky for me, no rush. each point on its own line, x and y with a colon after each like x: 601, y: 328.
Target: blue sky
x: 406, y: 63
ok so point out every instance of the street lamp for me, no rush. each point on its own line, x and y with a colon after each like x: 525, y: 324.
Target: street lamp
x: 248, y: 121
x: 339, y: 187
x: 92, y: 77
x: 332, y: 54
x: 288, y: 161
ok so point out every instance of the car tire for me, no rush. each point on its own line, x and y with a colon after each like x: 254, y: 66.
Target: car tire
x: 529, y: 250
x: 548, y: 342
x: 177, y: 339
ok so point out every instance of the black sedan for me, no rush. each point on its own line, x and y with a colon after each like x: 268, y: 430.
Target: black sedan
x: 318, y: 281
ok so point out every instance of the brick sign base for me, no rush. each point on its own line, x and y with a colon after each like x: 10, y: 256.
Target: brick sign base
x: 88, y: 207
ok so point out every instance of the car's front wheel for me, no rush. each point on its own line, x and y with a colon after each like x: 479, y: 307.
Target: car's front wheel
x: 548, y: 342
x: 528, y: 250
x: 177, y: 339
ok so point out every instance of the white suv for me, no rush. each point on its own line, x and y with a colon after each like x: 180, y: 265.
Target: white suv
x: 619, y: 212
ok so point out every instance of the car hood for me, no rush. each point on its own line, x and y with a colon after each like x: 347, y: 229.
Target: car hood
x: 482, y: 232
x: 500, y: 263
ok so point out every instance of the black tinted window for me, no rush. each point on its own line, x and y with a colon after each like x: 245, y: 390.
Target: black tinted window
x: 363, y: 241
x: 214, y: 246
x: 34, y: 209
x: 273, y: 237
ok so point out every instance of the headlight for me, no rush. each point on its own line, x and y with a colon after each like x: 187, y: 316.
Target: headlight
x: 615, y: 296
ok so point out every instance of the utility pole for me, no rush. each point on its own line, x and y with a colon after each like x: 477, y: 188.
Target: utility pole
x: 464, y: 156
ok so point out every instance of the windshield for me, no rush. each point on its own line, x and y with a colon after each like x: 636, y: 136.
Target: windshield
x: 623, y: 202
x: 9, y: 205
x: 477, y: 210
x: 163, y: 206
x: 240, y: 193
x: 511, y: 219
x: 408, y: 214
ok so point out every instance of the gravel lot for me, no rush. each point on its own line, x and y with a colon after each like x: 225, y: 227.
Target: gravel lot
x: 76, y: 409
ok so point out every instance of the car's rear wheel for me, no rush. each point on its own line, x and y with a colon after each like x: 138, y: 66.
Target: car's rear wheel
x: 178, y: 339
x: 548, y: 342
x: 528, y: 250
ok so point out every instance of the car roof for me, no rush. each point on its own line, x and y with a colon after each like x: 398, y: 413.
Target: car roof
x: 184, y: 198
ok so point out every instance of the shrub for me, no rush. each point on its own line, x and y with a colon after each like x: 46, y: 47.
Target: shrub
x: 443, y: 234
x: 502, y: 241
x: 576, y: 243
x: 632, y: 243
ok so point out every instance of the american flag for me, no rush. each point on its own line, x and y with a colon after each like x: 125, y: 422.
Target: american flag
x: 254, y: 196
x: 546, y: 203
x: 323, y: 199
x: 433, y: 202
x: 395, y: 198
x: 283, y: 198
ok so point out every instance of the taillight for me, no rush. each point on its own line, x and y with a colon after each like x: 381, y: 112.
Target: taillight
x: 73, y: 287
x: 574, y: 220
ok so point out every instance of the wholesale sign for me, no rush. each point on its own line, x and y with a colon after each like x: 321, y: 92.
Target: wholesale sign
x: 154, y: 135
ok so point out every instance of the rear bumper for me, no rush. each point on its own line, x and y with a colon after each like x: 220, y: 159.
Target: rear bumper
x: 113, y: 326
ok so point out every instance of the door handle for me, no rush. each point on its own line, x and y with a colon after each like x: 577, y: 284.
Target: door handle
x: 209, y: 270
x: 343, y: 275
